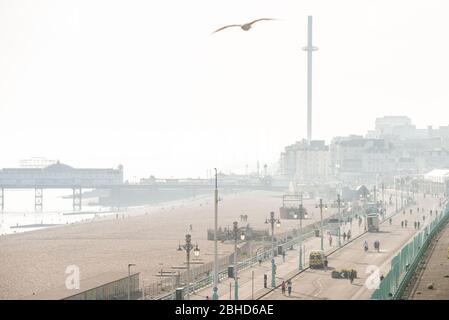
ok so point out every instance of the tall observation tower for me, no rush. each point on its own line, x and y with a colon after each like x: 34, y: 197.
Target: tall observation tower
x: 310, y: 48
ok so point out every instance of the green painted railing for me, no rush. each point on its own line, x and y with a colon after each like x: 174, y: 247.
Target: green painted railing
x: 263, y: 256
x: 404, y: 264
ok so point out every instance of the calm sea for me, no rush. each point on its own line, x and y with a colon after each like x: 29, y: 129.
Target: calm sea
x: 19, y: 215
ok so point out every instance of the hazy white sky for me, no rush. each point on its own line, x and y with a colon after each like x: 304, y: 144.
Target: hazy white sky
x: 97, y: 83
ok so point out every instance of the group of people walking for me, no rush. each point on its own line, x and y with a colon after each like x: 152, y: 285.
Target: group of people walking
x: 376, y: 245
x: 416, y: 224
x: 287, y: 286
x: 346, y: 236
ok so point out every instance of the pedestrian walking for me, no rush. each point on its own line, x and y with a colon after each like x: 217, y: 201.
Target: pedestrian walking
x: 283, y: 287
x: 390, y: 221
x: 423, y: 218
x: 349, y: 235
x: 415, y: 225
x: 351, y: 276
x: 405, y: 223
x: 411, y: 211
x: 344, y: 236
x: 289, y: 287
x: 365, y: 246
x: 417, y: 209
x: 330, y: 241
x: 283, y: 256
x: 402, y: 224
x: 419, y: 224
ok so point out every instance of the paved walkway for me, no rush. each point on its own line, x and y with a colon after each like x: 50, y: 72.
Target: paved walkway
x: 436, y: 271
x: 253, y: 289
x: 318, y: 284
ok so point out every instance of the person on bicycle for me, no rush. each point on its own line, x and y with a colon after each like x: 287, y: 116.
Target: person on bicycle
x: 365, y: 246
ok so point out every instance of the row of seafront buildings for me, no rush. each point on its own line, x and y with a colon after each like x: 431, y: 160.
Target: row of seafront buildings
x: 394, y: 147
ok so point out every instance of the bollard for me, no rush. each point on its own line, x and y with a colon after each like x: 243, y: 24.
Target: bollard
x: 179, y: 295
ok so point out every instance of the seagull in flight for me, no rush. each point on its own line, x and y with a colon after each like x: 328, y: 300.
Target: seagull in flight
x: 245, y: 27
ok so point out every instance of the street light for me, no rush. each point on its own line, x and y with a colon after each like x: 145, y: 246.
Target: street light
x: 272, y: 221
x: 236, y: 238
x: 301, y: 213
x: 363, y: 200
x: 402, y: 193
x: 215, y: 288
x: 339, y: 219
x: 188, y: 246
x: 196, y: 251
x: 321, y: 206
x: 383, y: 200
x: 129, y: 279
x: 396, y: 193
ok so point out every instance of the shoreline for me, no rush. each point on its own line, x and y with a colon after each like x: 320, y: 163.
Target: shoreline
x: 104, y: 213
x: 35, y: 261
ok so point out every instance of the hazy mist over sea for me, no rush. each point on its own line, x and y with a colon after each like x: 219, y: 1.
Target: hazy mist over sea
x: 101, y: 83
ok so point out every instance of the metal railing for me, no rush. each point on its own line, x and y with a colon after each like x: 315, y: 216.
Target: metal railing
x: 307, y: 232
x: 404, y: 264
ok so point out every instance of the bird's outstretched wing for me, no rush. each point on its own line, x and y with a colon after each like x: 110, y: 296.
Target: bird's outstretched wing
x: 229, y: 26
x: 261, y: 19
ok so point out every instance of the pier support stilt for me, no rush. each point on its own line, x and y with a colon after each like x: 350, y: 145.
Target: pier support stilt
x: 77, y: 197
x: 38, y: 199
x: 2, y: 199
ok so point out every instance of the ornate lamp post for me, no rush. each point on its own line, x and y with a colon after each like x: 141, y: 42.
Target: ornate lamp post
x: 272, y: 221
x: 396, y: 193
x: 339, y: 219
x: 188, y: 246
x: 237, y: 235
x: 215, y: 289
x: 301, y: 212
x: 382, y: 207
x: 321, y: 206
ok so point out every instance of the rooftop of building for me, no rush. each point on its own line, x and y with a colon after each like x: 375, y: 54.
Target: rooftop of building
x: 438, y: 173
